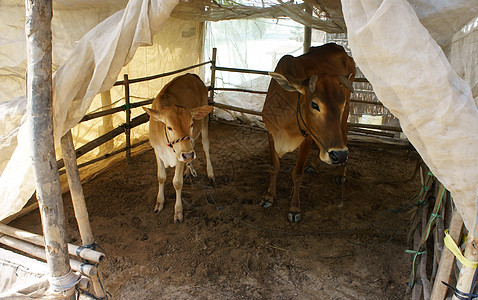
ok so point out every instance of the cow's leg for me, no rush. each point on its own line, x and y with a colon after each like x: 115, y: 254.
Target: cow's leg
x: 314, y: 165
x: 178, y: 186
x: 275, y: 166
x: 161, y: 180
x: 294, y: 210
x: 205, y: 146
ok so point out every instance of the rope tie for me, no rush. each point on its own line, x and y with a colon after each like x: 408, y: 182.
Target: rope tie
x: 411, y: 284
x: 126, y: 106
x: 459, y: 294
x: 64, y: 283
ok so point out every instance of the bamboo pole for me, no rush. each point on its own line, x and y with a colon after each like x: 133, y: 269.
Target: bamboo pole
x: 465, y: 279
x: 39, y: 252
x: 127, y: 127
x: 79, y: 205
x: 107, y: 121
x: 84, y: 253
x: 307, y: 31
x: 447, y: 259
x: 39, y: 94
x: 213, y: 75
x: 76, y: 190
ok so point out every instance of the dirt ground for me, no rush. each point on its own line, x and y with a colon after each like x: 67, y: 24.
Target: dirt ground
x: 229, y: 247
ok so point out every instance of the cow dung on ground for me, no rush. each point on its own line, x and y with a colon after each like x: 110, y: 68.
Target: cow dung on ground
x: 229, y: 247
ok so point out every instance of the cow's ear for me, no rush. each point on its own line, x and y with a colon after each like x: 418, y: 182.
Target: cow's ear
x: 201, y: 111
x: 154, y: 114
x: 312, y: 82
x: 346, y: 81
x: 287, y: 84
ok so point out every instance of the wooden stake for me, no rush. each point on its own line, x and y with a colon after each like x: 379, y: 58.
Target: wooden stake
x: 39, y: 94
x: 213, y: 75
x: 128, y: 119
x: 307, y: 31
x: 447, y: 259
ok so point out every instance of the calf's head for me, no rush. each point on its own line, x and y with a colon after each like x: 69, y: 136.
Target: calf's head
x: 178, y: 127
x: 322, y: 111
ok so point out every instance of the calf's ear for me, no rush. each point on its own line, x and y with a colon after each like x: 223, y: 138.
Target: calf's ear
x: 288, y: 83
x: 201, y: 111
x: 154, y: 114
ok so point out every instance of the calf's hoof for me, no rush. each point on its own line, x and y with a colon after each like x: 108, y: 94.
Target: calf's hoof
x: 158, y: 209
x: 310, y: 169
x: 265, y: 203
x: 294, y: 217
x: 178, y: 218
x: 212, y: 181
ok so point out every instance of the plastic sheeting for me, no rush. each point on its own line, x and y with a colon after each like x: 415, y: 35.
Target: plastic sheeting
x: 413, y: 78
x: 92, y: 67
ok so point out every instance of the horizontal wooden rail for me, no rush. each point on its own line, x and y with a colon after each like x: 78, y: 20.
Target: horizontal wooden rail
x: 135, y: 80
x: 242, y: 71
x: 239, y: 109
x: 114, y: 110
x: 379, y: 127
x: 106, y: 137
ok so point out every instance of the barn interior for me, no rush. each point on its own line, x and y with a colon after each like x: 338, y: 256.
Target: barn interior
x: 107, y: 62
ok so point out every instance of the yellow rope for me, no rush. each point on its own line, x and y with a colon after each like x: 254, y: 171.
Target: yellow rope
x: 451, y: 245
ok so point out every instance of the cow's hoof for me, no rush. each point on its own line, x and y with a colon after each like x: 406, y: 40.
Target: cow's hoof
x: 212, y: 181
x: 310, y: 169
x: 264, y: 203
x: 157, y: 210
x: 178, y: 218
x: 340, y: 179
x: 294, y: 217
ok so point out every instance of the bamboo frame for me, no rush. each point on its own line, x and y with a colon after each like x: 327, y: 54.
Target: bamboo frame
x: 39, y: 94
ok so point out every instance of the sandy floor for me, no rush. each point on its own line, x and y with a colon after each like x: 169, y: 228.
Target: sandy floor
x: 229, y: 247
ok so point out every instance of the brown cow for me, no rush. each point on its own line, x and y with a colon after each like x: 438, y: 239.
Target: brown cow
x: 308, y: 102
x: 178, y: 115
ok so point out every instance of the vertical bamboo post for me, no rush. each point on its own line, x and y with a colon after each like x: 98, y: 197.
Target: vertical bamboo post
x: 307, y: 31
x: 107, y: 125
x: 128, y: 118
x: 213, y: 75
x: 447, y: 259
x: 39, y: 94
x: 465, y: 279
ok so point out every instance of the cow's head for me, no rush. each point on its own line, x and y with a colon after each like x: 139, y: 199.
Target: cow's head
x: 178, y: 127
x: 323, y: 111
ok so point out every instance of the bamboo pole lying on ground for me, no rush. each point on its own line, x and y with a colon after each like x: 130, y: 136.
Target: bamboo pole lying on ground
x: 39, y: 252
x: 84, y: 253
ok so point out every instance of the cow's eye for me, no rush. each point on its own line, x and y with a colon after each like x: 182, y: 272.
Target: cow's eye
x: 315, y: 106
x: 192, y: 124
x: 170, y: 129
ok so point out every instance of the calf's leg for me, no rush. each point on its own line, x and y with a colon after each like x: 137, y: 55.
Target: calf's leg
x: 294, y: 210
x: 161, y: 180
x: 205, y: 146
x: 178, y: 186
x: 275, y: 166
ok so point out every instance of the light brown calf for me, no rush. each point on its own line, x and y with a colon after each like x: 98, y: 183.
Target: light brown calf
x: 178, y: 115
x: 308, y: 101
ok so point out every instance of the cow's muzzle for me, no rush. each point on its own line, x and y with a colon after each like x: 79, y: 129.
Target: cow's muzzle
x: 188, y: 156
x: 338, y: 156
